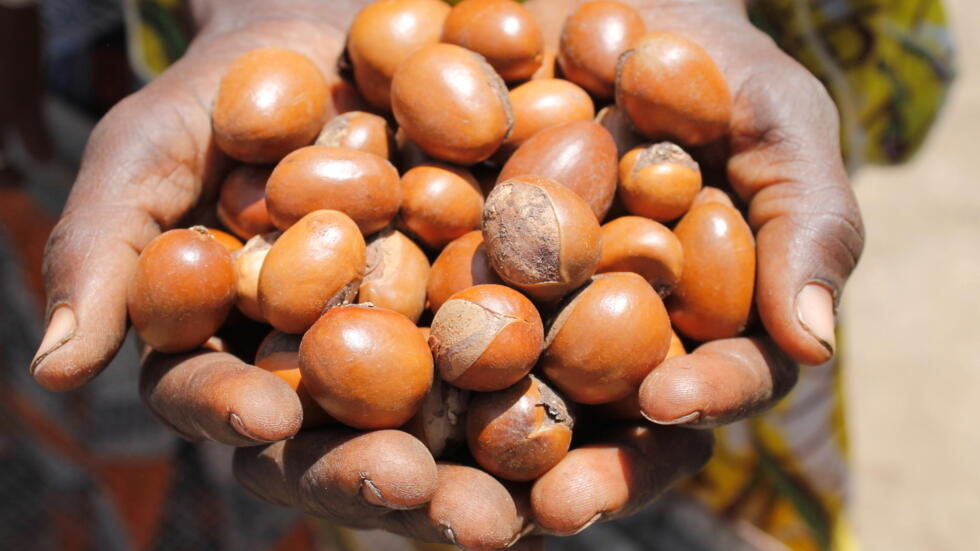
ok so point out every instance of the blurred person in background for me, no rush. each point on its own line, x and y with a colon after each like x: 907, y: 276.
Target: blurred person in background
x: 90, y: 469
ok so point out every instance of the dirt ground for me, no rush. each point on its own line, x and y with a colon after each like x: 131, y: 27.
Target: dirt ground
x: 912, y: 331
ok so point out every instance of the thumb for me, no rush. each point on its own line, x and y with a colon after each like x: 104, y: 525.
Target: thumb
x: 809, y: 235
x: 128, y: 189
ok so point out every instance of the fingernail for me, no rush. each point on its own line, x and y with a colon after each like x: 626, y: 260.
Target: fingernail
x: 60, y: 330
x: 588, y: 523
x: 815, y: 309
x: 372, y: 494
x: 689, y: 418
x: 238, y: 424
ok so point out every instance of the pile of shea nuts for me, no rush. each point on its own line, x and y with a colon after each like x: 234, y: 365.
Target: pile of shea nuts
x: 482, y: 257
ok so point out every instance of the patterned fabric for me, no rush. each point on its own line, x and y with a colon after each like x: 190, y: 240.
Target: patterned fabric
x: 98, y: 473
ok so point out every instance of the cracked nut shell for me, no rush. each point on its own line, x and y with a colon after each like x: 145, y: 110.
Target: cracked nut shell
x: 486, y: 338
x: 540, y: 237
x: 520, y: 432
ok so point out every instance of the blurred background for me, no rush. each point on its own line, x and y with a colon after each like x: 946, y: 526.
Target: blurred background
x: 912, y: 374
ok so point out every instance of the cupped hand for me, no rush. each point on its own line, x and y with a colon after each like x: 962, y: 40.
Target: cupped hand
x: 151, y: 164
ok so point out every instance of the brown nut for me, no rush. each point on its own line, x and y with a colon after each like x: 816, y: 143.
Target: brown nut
x: 279, y: 355
x: 642, y: 246
x: 461, y: 265
x: 659, y: 181
x: 227, y: 240
x: 441, y: 421
x: 396, y: 276
x: 314, y: 265
x: 580, y: 155
x: 367, y: 367
x: 451, y: 103
x: 385, y: 33
x: 606, y: 339
x: 592, y: 39
x: 440, y: 203
x: 248, y: 266
x: 182, y: 290
x: 710, y: 194
x: 359, y: 130
x: 241, y: 205
x: 361, y: 185
x: 628, y: 408
x: 486, y: 338
x: 270, y: 102
x: 540, y: 237
x: 520, y: 432
x: 502, y: 31
x: 671, y: 88
x: 618, y: 125
x: 548, y: 64
x: 714, y: 296
x: 544, y: 103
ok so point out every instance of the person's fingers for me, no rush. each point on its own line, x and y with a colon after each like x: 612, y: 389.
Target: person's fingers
x: 470, y: 509
x: 341, y: 474
x: 718, y: 383
x: 214, y: 396
x: 134, y: 182
x: 787, y: 165
x: 607, y: 481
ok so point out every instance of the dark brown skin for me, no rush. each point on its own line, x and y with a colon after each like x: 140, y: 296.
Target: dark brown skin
x: 385, y: 33
x: 719, y: 383
x: 642, y: 246
x: 359, y: 130
x: 612, y: 480
x: 520, y: 432
x: 592, y: 38
x: 606, y: 339
x: 716, y: 240
x: 241, y: 206
x: 451, y: 103
x: 367, y: 367
x: 314, y: 265
x: 279, y: 354
x: 461, y: 265
x: 270, y: 102
x: 543, y: 103
x: 785, y: 166
x: 580, y: 155
x: 486, y: 338
x: 182, y: 290
x: 341, y: 474
x: 502, y: 31
x: 362, y: 185
x: 396, y: 276
x: 658, y: 181
x: 540, y: 237
x: 439, y: 203
x: 214, y: 396
x: 671, y: 88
